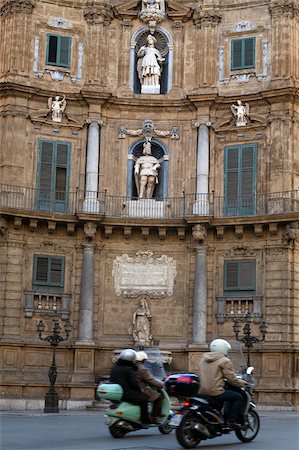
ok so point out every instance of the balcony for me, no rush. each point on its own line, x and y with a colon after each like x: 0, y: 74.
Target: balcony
x: 18, y: 198
x: 238, y: 307
x: 47, y: 304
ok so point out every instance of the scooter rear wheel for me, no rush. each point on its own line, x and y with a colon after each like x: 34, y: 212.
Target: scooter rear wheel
x: 116, y: 431
x: 186, y: 434
x: 253, y: 425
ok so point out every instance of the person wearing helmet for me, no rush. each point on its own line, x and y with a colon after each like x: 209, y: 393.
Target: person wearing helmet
x: 214, y: 368
x: 146, y: 380
x: 124, y: 372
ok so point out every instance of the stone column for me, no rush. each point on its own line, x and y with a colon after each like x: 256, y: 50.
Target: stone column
x: 91, y: 203
x: 201, y: 206
x: 86, y: 295
x: 199, y: 324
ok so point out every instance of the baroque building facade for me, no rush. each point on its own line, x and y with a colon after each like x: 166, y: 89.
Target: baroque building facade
x: 211, y: 90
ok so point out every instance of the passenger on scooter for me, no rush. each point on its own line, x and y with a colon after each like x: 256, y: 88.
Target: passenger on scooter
x: 124, y: 372
x: 214, y: 368
x: 146, y: 380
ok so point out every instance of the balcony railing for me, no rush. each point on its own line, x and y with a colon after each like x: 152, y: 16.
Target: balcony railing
x: 79, y: 202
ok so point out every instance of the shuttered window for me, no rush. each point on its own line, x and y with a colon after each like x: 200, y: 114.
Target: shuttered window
x: 48, y: 273
x: 53, y: 175
x: 58, y: 50
x: 243, y: 53
x: 239, y: 179
x: 239, y: 275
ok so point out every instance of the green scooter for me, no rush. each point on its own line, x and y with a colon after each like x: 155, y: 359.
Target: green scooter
x: 123, y: 417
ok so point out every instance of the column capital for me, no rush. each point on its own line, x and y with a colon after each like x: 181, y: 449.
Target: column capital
x: 199, y: 124
x: 90, y: 121
x: 88, y: 246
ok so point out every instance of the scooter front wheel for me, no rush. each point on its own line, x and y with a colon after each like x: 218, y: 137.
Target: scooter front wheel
x: 116, y: 431
x: 251, y: 428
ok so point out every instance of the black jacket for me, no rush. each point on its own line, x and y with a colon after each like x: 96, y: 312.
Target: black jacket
x: 125, y: 374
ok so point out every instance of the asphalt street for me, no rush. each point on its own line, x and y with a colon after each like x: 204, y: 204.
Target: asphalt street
x: 85, y: 430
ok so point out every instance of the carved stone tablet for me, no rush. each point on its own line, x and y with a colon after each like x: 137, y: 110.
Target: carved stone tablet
x: 144, y: 274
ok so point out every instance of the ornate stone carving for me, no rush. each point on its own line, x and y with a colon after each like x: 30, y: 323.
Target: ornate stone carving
x: 152, y: 12
x: 199, y: 232
x: 148, y: 131
x: 17, y: 7
x: 243, y: 25
x: 144, y: 274
x: 206, y: 18
x: 57, y: 106
x: 90, y: 229
x: 98, y: 13
x: 59, y: 22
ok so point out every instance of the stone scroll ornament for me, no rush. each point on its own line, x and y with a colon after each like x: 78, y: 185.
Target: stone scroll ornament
x: 144, y: 274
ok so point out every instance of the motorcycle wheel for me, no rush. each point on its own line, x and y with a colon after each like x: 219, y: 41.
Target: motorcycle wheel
x: 252, y: 428
x: 165, y: 428
x: 116, y: 431
x: 186, y: 435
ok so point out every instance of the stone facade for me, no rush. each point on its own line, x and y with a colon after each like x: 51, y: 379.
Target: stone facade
x: 78, y: 208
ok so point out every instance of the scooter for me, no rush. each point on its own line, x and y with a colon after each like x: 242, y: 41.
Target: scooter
x: 123, y: 417
x: 201, y: 417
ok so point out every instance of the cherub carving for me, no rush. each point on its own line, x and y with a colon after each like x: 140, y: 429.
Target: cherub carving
x: 241, y: 112
x: 57, y: 107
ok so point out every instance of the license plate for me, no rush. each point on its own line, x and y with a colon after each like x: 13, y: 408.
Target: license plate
x: 176, y: 420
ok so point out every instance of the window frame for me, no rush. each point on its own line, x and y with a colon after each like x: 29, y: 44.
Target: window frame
x: 48, y: 286
x: 239, y: 289
x: 243, y: 41
x: 58, y: 62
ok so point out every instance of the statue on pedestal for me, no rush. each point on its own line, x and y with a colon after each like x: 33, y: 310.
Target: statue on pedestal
x: 146, y: 172
x: 57, y: 107
x: 241, y: 112
x: 149, y: 63
x: 141, y: 324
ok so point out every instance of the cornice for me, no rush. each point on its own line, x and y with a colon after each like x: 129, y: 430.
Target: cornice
x: 11, y: 7
x: 149, y: 104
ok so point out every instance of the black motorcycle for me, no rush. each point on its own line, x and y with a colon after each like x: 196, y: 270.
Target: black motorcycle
x: 201, y: 417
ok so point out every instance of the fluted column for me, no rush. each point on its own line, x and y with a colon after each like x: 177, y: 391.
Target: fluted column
x: 85, y: 335
x: 199, y: 322
x: 91, y: 203
x: 201, y: 207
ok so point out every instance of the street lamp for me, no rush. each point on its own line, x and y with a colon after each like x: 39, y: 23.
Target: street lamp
x: 247, y: 339
x: 51, y: 398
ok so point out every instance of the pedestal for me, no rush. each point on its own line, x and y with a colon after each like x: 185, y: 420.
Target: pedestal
x: 51, y: 403
x: 144, y: 207
x: 150, y: 89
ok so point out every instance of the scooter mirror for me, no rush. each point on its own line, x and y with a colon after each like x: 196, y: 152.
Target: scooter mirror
x: 249, y: 370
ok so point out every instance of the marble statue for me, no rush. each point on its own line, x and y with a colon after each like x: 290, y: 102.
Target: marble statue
x: 241, y: 112
x: 57, y: 107
x: 149, y: 63
x: 142, y: 324
x: 146, y: 172
x: 151, y: 5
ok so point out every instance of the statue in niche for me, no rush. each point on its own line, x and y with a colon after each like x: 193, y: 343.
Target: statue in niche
x: 142, y: 324
x: 57, y: 107
x: 241, y: 112
x: 146, y: 172
x: 149, y: 63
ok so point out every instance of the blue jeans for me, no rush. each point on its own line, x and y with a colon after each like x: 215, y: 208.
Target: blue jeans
x: 233, y: 405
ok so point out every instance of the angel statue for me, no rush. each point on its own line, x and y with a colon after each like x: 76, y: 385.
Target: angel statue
x: 57, y: 107
x: 240, y: 112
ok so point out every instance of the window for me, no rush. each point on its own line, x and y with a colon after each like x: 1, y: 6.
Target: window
x: 58, y: 50
x: 239, y: 180
x: 243, y: 53
x: 53, y: 175
x: 48, y: 273
x: 239, y: 275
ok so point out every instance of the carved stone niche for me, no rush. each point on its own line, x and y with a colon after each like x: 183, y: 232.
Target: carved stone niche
x: 144, y: 274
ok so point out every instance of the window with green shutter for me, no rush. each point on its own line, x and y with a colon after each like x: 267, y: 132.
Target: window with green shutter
x: 239, y: 180
x: 58, y: 50
x: 48, y: 273
x: 239, y: 277
x: 243, y: 53
x: 53, y: 175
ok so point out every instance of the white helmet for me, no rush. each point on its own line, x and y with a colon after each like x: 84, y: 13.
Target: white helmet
x: 141, y: 356
x: 220, y: 345
x: 128, y: 355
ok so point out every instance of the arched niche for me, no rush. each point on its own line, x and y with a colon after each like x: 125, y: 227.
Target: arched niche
x: 165, y: 45
x: 160, y: 151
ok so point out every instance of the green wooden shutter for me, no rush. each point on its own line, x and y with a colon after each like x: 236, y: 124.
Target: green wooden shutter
x: 243, y: 53
x: 64, y: 51
x: 58, y: 50
x: 239, y: 275
x: 48, y: 273
x: 239, y: 179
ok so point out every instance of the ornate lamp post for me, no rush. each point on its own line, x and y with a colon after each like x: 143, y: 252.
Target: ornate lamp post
x: 247, y: 339
x: 51, y: 399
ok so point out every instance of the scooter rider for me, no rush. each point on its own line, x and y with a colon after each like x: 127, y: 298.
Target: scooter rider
x: 124, y: 372
x: 146, y: 380
x: 214, y: 368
